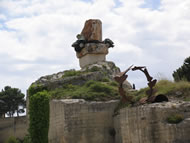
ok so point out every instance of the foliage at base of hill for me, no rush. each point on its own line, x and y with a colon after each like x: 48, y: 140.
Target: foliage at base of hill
x: 39, y: 117
x: 180, y: 90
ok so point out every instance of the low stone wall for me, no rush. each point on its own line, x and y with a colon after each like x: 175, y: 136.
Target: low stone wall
x: 78, y: 121
x: 16, y: 127
x: 148, y: 124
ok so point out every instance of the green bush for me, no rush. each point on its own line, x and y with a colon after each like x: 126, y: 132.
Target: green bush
x: 12, y: 140
x: 27, y: 139
x: 105, y: 79
x: 39, y: 117
x: 34, y: 88
x: 94, y: 69
x: 113, y: 83
x: 175, y: 118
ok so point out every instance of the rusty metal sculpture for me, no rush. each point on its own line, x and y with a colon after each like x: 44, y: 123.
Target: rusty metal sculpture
x: 120, y: 78
x: 151, y: 82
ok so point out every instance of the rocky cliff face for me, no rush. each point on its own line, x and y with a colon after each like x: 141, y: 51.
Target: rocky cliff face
x: 95, y: 72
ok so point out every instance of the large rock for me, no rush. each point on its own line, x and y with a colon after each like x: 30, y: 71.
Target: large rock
x: 91, y: 72
x: 92, y: 30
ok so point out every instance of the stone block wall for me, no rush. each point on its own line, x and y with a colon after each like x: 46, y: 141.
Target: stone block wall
x: 77, y: 121
x: 16, y: 127
x: 148, y: 124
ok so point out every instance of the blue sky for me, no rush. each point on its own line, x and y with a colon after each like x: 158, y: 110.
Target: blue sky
x: 36, y: 36
x: 152, y: 4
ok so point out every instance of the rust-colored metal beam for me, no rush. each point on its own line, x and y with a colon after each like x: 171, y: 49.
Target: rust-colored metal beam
x: 120, y: 78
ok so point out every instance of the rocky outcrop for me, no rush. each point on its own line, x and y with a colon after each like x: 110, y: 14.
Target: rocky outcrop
x: 95, y: 72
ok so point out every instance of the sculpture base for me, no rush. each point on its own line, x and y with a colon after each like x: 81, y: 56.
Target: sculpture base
x: 91, y: 59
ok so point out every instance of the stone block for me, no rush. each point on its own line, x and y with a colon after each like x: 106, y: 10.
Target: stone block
x: 148, y: 124
x: 92, y: 30
x: 90, y: 124
x: 92, y: 53
x: 93, y: 48
x: 91, y: 59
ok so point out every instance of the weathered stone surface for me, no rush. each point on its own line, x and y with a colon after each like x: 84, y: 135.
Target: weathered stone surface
x: 94, y: 48
x: 52, y: 83
x: 147, y: 124
x: 92, y: 30
x: 107, y: 67
x: 58, y: 80
x: 127, y: 85
x: 78, y: 121
x: 92, y: 53
x: 91, y: 59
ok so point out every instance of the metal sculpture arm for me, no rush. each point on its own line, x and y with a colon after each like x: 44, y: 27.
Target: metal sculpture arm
x: 151, y: 82
x: 120, y: 78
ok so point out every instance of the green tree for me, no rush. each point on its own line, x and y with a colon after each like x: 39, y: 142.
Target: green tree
x: 183, y: 73
x: 11, y: 101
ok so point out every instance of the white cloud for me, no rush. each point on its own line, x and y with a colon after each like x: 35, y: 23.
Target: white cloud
x: 36, y: 36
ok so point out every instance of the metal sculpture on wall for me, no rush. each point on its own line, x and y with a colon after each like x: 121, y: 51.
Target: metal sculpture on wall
x: 121, y: 77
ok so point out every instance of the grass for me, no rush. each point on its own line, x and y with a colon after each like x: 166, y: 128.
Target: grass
x: 107, y: 90
x: 102, y: 90
x: 175, y: 118
x: 171, y: 89
x: 92, y: 90
x: 176, y: 89
x: 73, y: 72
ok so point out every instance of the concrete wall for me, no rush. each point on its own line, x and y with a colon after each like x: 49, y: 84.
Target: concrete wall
x: 16, y: 126
x: 148, y: 124
x: 77, y: 121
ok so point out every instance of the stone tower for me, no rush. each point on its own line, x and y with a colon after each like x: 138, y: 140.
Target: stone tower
x: 89, y: 46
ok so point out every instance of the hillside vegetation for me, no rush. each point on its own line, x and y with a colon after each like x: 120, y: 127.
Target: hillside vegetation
x: 91, y: 90
x: 173, y: 90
